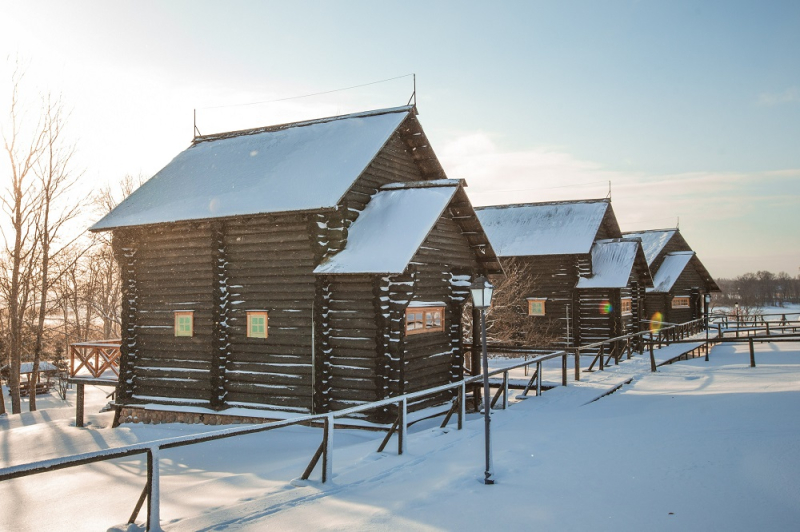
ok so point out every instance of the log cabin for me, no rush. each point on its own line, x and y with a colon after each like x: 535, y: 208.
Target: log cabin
x: 304, y: 267
x: 589, y: 281
x: 680, y: 279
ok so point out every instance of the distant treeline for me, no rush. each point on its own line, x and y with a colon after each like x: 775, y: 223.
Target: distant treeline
x: 759, y: 289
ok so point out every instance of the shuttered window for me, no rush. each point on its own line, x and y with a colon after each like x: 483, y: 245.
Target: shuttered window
x: 424, y: 320
x: 257, y: 324
x: 184, y: 323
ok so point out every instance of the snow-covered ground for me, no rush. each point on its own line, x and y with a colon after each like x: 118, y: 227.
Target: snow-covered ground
x: 697, y: 446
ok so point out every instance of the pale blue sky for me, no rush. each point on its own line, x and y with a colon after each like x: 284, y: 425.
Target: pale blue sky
x: 691, y: 109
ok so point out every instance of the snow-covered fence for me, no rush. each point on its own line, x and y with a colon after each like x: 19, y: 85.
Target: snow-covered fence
x: 150, y: 493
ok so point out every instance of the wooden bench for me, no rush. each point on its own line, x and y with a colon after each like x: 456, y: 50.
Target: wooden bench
x: 41, y: 388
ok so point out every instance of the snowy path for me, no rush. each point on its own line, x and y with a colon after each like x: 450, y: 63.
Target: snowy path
x: 695, y: 446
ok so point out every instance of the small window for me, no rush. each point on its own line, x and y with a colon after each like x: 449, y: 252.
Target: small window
x: 424, y: 320
x: 680, y: 302
x: 257, y: 324
x: 627, y: 305
x: 536, y: 307
x: 184, y: 323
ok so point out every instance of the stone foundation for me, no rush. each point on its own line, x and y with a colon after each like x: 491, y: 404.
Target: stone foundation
x: 140, y: 415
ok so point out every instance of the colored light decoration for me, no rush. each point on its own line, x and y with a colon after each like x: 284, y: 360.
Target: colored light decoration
x: 656, y: 322
x: 606, y: 307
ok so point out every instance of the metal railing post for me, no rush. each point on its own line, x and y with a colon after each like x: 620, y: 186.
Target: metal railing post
x: 602, y: 354
x: 538, y: 378
x: 79, y: 406
x: 153, y: 510
x: 327, y: 450
x: 402, y: 428
x: 462, y: 407
x: 505, y: 390
x: 652, y: 356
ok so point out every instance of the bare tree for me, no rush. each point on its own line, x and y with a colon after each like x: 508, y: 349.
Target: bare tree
x: 19, y: 203
x: 55, y: 179
x: 507, y: 320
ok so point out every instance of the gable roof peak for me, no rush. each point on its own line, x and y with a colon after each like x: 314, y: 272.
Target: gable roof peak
x: 425, y: 184
x: 302, y: 123
x: 545, y: 203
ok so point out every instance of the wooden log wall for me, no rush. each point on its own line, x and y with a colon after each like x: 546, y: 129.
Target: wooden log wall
x: 594, y: 322
x: 221, y: 311
x: 430, y: 359
x: 689, y: 282
x: 322, y: 347
x: 173, y: 271
x: 351, y: 330
x: 393, y: 164
x: 125, y: 255
x: 609, y: 228
x: 676, y: 243
x: 555, y: 280
x: 270, y: 262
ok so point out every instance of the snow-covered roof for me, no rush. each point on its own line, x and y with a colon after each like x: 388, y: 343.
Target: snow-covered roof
x: 27, y: 367
x: 292, y: 167
x: 669, y: 271
x: 392, y: 227
x: 652, y: 241
x: 558, y: 228
x: 612, y: 262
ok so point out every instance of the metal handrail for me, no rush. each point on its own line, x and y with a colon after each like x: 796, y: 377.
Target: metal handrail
x: 152, y: 448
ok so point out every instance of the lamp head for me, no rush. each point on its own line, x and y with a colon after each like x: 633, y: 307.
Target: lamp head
x: 482, y: 291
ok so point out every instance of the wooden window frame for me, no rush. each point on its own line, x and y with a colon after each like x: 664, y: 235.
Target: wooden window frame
x: 255, y: 314
x: 184, y: 314
x: 534, y: 300
x: 626, y: 306
x: 425, y: 312
x: 680, y: 299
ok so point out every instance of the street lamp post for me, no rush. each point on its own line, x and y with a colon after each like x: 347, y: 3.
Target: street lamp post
x: 481, y: 299
x: 708, y: 304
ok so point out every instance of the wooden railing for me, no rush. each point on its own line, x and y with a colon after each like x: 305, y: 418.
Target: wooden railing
x: 97, y: 357
x: 753, y: 320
